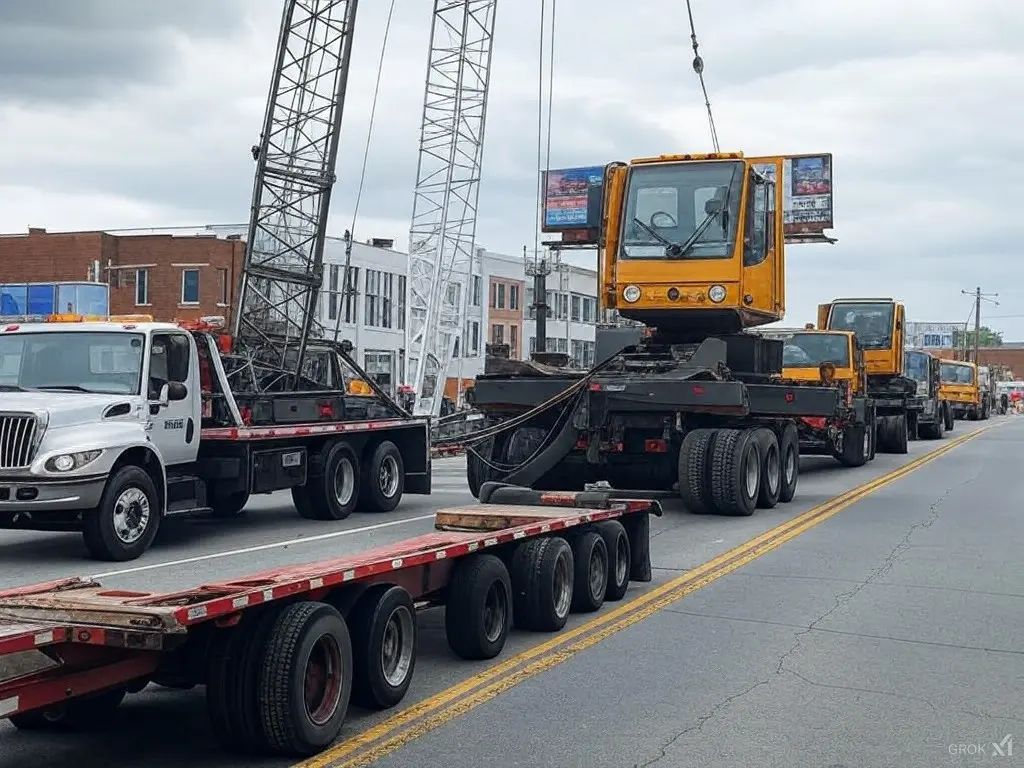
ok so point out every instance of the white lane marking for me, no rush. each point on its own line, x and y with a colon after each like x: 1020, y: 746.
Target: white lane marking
x: 263, y: 547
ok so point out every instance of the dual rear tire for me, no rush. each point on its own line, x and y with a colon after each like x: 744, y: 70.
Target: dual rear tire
x: 735, y: 471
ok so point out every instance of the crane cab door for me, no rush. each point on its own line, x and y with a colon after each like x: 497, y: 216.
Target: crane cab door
x: 824, y: 310
x: 763, y: 263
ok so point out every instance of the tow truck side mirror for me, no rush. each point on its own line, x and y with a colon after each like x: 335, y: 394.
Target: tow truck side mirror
x: 175, y: 391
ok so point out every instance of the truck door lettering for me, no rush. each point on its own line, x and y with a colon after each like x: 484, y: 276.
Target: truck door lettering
x: 174, y: 424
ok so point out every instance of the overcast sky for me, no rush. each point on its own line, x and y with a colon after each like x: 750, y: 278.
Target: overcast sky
x: 140, y: 113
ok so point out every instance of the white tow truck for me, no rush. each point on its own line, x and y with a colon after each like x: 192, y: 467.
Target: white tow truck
x: 109, y: 425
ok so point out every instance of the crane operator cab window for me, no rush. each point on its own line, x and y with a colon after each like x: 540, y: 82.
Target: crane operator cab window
x: 809, y: 350
x: 682, y: 210
x: 871, y: 322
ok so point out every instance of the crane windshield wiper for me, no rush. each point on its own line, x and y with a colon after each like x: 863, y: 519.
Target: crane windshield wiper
x: 650, y: 231
x: 681, y: 250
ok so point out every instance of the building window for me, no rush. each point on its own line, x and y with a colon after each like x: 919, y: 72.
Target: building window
x: 387, y: 312
x: 222, y: 284
x: 501, y: 296
x: 513, y: 297
x: 352, y: 296
x: 497, y: 334
x: 562, y: 300
x: 494, y: 295
x: 190, y: 286
x: 400, y: 324
x: 513, y: 340
x: 453, y: 297
x: 589, y: 309
x: 333, y: 278
x: 372, y: 308
x: 476, y: 285
x: 141, y: 287
x: 577, y: 308
x: 472, y: 345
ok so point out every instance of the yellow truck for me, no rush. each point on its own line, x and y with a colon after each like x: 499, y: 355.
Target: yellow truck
x: 831, y: 359
x: 960, y: 389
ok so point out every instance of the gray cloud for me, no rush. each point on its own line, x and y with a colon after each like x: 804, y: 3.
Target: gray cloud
x: 54, y: 50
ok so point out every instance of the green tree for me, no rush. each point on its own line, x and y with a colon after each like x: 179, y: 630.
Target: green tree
x: 986, y: 338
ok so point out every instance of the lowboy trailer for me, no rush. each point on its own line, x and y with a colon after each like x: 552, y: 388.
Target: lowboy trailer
x: 284, y: 651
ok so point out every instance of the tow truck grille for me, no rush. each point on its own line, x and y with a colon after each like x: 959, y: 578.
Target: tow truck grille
x: 17, y: 440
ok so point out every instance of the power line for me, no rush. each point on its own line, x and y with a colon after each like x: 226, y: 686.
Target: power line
x: 698, y: 67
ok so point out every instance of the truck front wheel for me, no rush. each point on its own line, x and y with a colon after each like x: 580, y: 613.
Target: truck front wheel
x: 125, y: 523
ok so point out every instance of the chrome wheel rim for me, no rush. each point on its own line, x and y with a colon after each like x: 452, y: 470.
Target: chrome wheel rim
x: 396, y: 648
x: 344, y: 481
x: 388, y: 477
x: 131, y: 515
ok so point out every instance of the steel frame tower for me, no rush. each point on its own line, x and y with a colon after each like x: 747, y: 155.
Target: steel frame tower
x: 443, y: 230
x: 282, y: 273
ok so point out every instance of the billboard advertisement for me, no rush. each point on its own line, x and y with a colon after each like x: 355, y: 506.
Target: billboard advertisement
x: 806, y: 194
x: 572, y: 198
x: 932, y: 335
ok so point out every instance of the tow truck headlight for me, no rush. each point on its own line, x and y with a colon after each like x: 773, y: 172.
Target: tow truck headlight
x: 67, y: 462
x: 717, y: 293
x: 631, y: 293
x: 922, y: 389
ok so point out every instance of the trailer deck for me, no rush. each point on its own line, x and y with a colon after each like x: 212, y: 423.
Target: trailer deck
x: 72, y: 640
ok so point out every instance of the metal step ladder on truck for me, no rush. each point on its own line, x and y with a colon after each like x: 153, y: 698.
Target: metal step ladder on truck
x: 692, y: 247
x: 900, y: 401
x: 108, y: 427
x: 831, y: 359
x: 282, y: 653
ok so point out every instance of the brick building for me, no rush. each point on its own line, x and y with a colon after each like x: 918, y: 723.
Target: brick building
x: 167, y: 276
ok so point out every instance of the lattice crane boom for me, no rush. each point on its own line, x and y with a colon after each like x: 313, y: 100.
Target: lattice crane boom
x: 282, y: 273
x: 443, y: 231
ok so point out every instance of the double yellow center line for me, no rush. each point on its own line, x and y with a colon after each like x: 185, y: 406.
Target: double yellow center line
x: 432, y: 713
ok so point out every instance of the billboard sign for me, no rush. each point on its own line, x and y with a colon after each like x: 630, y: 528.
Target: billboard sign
x: 806, y: 195
x: 572, y: 199
x: 932, y: 335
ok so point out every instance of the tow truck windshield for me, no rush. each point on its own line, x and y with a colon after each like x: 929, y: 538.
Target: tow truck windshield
x: 682, y: 210
x: 79, y: 361
x: 951, y: 373
x: 871, y: 322
x: 809, y: 350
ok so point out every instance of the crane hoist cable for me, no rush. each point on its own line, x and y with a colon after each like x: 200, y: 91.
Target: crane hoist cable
x: 698, y: 68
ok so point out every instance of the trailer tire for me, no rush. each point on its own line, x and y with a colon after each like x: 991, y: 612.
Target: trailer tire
x: 771, y: 470
x: 789, y: 452
x: 477, y: 470
x: 543, y: 573
x: 736, y: 472
x: 590, y: 577
x: 233, y: 681
x: 83, y: 713
x: 384, y: 647
x: 950, y: 418
x: 478, y: 610
x: 856, y: 446
x: 132, y: 489
x: 305, y: 636
x: 321, y: 498
x: 620, y: 558
x: 383, y: 478
x: 900, y: 434
x: 694, y: 471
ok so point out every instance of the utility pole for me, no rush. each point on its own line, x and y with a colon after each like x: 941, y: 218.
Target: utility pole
x: 978, y: 296
x: 539, y: 269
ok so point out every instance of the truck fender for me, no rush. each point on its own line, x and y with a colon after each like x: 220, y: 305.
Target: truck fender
x: 149, y: 459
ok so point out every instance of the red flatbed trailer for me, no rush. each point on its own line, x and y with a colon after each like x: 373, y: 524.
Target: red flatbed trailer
x: 282, y: 652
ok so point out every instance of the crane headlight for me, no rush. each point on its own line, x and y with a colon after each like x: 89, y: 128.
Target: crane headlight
x: 631, y: 293
x: 717, y: 293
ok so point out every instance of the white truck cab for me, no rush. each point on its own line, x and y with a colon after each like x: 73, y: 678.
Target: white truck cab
x: 92, y: 414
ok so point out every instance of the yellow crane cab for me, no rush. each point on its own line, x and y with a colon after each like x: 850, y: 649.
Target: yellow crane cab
x: 959, y: 388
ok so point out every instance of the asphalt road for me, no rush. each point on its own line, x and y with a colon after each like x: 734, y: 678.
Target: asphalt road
x: 883, y: 635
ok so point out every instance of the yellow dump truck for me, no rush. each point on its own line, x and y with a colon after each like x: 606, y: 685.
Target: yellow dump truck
x: 961, y: 390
